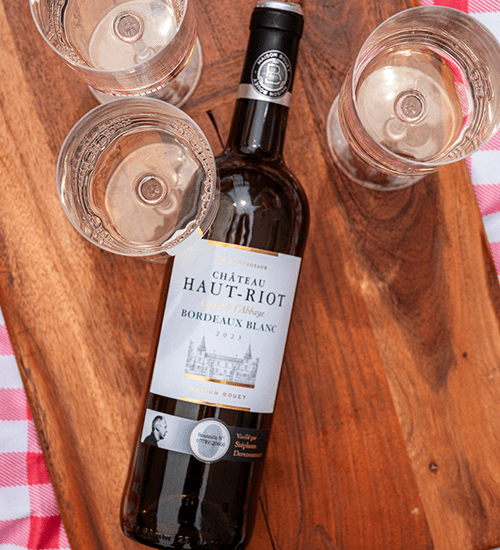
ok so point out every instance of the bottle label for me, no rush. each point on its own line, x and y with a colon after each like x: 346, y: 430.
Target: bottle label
x: 209, y: 440
x: 270, y: 79
x: 225, y: 326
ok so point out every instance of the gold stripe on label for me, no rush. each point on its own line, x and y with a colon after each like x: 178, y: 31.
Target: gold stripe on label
x: 196, y: 377
x: 189, y: 400
x: 239, y: 247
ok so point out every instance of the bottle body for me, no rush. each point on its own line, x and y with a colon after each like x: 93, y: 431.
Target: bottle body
x: 175, y: 501
x: 173, y: 498
x: 201, y: 491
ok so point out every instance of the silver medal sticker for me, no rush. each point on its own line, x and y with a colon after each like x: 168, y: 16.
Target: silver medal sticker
x: 210, y: 440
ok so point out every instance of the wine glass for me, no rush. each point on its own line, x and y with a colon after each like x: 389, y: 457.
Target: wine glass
x: 137, y: 177
x: 424, y: 91
x: 125, y: 47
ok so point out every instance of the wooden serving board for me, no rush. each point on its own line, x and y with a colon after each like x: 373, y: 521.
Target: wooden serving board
x: 386, y: 433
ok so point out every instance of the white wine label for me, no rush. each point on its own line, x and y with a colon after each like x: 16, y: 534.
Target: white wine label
x: 225, y: 326
x: 209, y: 440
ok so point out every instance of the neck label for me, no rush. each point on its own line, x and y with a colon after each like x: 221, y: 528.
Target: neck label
x: 270, y: 79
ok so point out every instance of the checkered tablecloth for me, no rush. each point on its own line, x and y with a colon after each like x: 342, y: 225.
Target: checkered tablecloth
x: 29, y: 518
x: 484, y: 166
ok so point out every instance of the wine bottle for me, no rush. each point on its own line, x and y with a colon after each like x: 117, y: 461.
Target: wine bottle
x: 194, y: 477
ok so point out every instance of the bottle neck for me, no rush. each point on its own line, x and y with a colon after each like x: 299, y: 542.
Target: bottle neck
x: 258, y: 129
x: 261, y: 111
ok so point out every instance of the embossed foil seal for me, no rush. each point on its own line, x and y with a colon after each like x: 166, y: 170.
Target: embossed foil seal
x: 271, y: 74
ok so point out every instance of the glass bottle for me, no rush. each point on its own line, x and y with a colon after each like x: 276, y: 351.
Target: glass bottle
x: 194, y: 477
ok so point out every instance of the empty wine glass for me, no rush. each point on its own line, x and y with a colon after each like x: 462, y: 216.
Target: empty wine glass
x: 424, y: 91
x: 125, y: 47
x: 137, y: 177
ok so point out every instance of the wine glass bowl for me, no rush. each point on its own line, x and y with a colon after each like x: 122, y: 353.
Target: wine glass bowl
x: 424, y: 91
x: 137, y: 177
x: 125, y: 47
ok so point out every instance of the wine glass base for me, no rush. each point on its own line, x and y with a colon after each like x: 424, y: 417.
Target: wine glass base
x: 353, y: 166
x: 176, y: 92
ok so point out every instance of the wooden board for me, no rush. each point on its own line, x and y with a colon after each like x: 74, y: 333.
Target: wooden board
x: 387, y: 420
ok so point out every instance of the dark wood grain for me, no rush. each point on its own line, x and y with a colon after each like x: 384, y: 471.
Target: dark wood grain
x: 387, y: 420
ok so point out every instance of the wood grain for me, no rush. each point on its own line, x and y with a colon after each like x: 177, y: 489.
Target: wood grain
x: 386, y: 428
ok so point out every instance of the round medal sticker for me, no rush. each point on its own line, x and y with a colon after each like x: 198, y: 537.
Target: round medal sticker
x: 210, y: 440
x: 271, y: 74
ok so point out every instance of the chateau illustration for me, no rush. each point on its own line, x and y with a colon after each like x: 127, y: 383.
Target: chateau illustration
x: 220, y: 368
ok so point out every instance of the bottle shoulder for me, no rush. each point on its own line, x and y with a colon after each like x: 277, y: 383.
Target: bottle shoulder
x: 234, y: 168
x: 262, y: 204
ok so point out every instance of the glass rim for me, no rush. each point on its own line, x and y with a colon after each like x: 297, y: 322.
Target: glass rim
x: 86, y: 123
x: 95, y: 70
x: 363, y: 58
x: 420, y: 9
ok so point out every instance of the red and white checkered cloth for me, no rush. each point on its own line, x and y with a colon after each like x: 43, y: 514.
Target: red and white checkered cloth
x: 484, y: 166
x: 29, y: 518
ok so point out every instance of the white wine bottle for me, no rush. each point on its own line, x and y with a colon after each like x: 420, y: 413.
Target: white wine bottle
x: 202, y: 437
